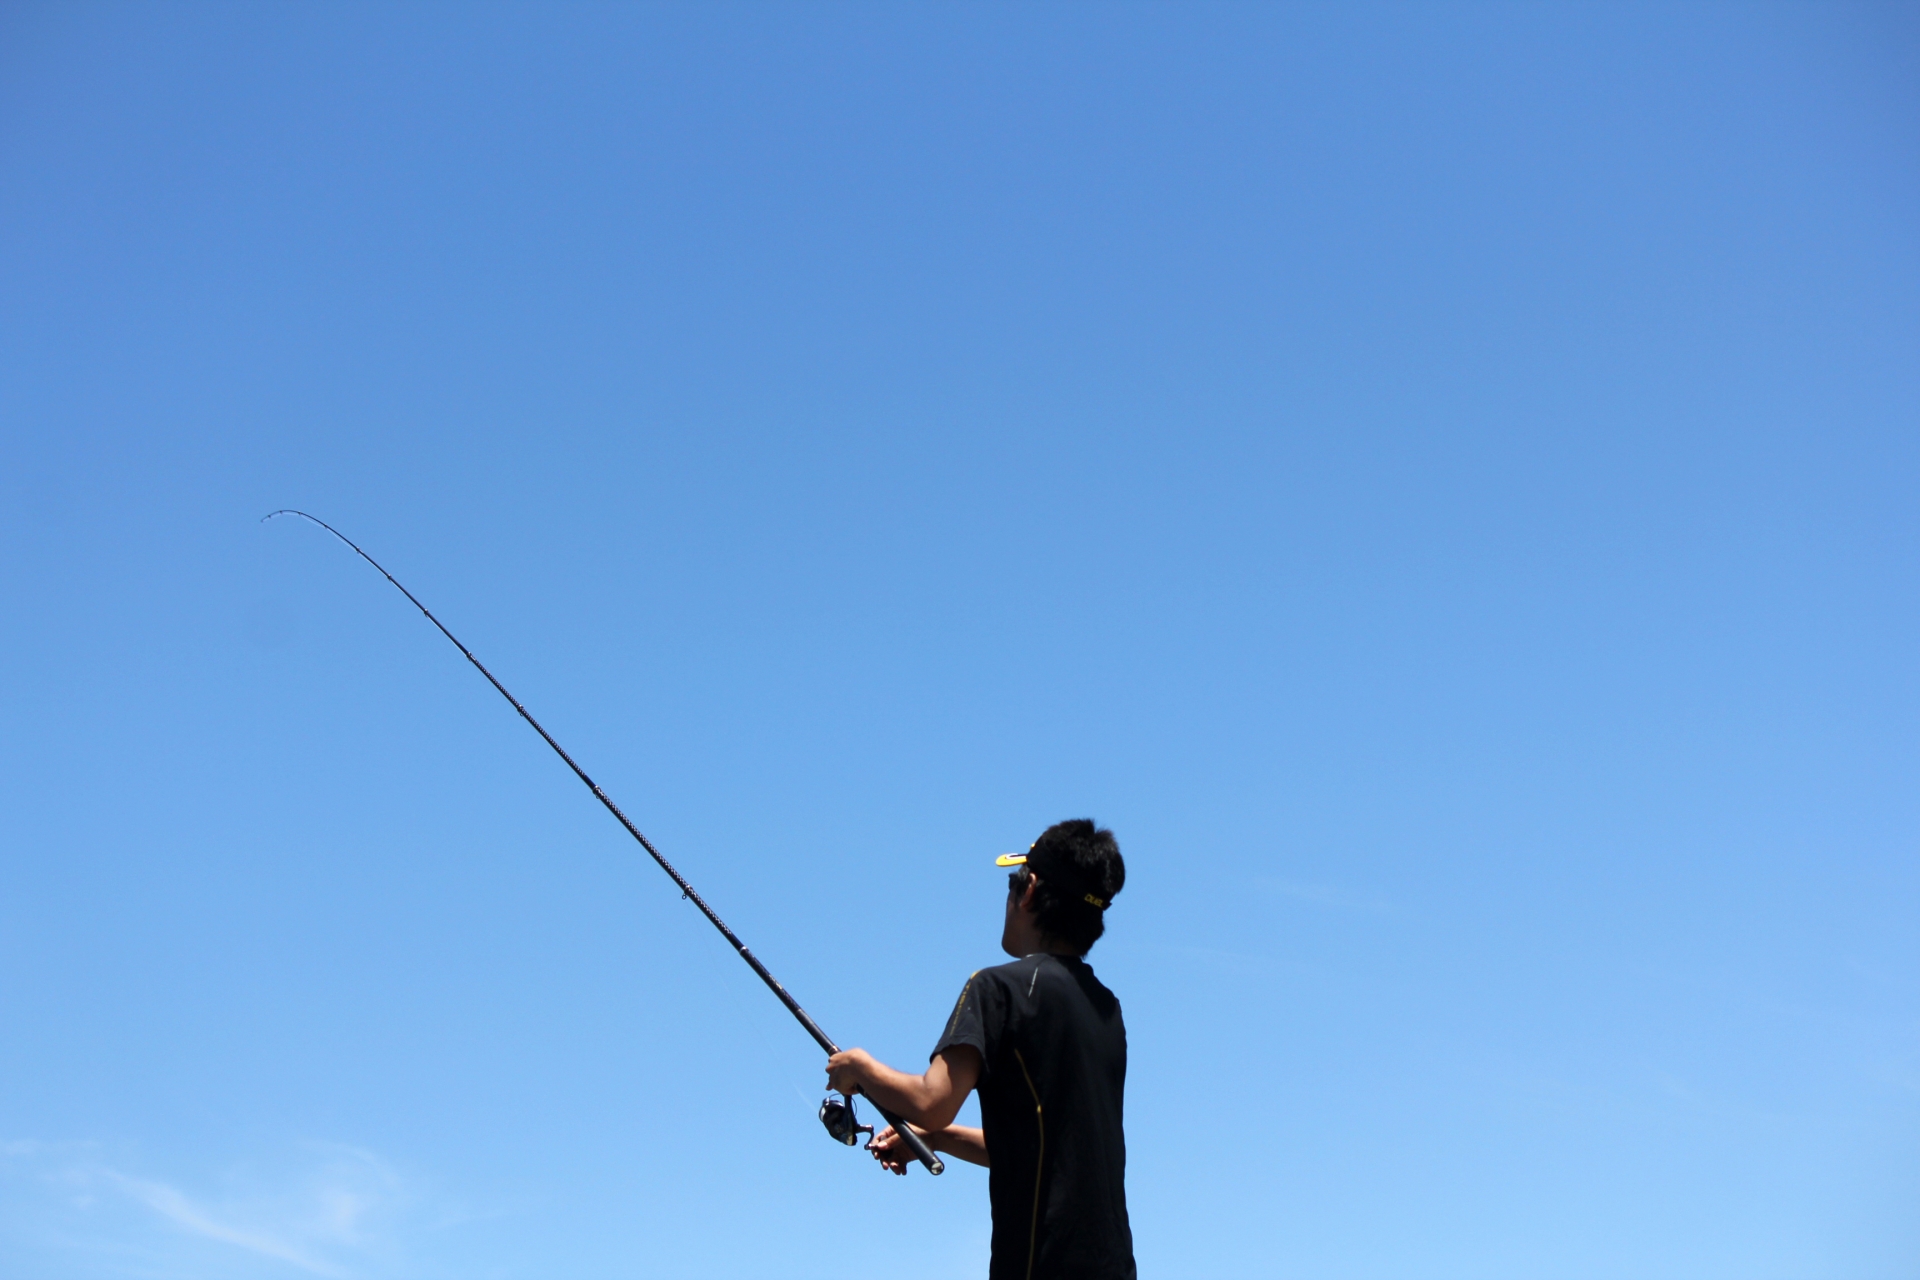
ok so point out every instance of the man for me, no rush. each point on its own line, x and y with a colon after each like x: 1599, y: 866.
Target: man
x: 1043, y: 1042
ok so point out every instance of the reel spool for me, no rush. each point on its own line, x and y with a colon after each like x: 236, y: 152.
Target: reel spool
x: 842, y: 1121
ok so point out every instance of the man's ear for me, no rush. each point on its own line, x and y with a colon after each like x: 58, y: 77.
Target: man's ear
x: 1033, y: 887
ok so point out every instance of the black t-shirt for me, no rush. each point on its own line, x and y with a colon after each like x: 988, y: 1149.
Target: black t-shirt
x: 1050, y: 1102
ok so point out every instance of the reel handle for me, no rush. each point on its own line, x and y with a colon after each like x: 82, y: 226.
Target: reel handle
x: 914, y: 1141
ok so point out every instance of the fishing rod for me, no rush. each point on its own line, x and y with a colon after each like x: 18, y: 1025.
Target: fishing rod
x: 839, y: 1117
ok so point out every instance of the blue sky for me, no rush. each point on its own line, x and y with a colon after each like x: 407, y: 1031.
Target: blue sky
x: 1440, y: 482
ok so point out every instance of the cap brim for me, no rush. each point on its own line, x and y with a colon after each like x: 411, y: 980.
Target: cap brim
x: 1010, y: 860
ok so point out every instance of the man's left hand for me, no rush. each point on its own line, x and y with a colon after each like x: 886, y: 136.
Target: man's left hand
x: 849, y: 1069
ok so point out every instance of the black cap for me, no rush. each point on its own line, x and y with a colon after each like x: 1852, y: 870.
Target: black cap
x: 1049, y: 866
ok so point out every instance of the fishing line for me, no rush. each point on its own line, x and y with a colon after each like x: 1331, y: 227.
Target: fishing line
x: 838, y: 1117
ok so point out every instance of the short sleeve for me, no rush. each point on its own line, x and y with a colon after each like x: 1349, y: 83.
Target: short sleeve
x: 976, y: 1019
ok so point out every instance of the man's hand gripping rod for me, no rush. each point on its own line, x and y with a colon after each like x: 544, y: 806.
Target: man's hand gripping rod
x: 913, y: 1140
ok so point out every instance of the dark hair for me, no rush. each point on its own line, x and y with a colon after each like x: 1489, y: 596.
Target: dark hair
x: 1075, y: 861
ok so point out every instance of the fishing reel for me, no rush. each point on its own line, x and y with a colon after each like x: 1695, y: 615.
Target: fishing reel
x: 843, y: 1123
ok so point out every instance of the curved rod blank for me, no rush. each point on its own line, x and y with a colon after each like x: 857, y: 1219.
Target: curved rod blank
x: 913, y: 1140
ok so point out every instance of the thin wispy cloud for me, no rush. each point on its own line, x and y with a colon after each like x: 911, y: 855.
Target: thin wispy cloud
x: 176, y: 1207
x: 1323, y: 895
x: 322, y: 1210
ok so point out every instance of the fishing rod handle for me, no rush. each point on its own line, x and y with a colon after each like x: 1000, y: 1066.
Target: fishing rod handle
x: 914, y: 1141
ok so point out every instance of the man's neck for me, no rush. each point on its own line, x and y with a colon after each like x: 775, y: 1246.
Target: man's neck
x: 1034, y: 943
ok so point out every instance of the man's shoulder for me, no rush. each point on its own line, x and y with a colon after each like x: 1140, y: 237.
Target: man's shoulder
x: 1021, y: 978
x: 1075, y: 974
x: 1002, y: 976
x: 1007, y: 972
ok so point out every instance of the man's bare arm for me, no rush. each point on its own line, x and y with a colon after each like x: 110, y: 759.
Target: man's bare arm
x: 955, y: 1140
x: 961, y: 1143
x: 930, y: 1101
